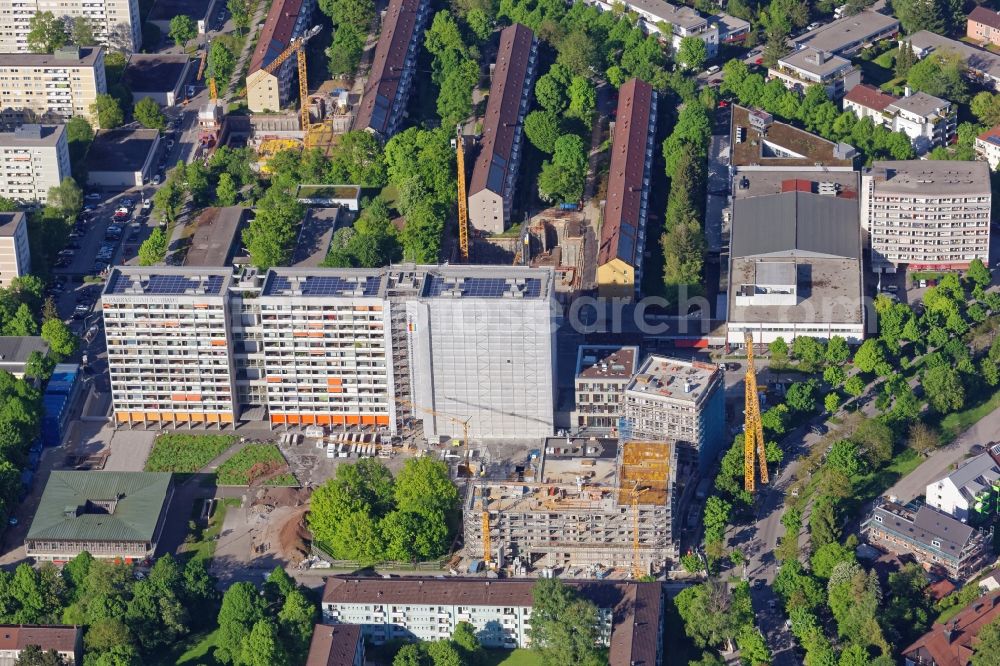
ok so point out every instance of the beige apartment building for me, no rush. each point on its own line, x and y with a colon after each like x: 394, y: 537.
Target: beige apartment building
x: 33, y: 159
x: 115, y: 22
x: 15, y: 257
x: 50, y: 88
x: 926, y: 214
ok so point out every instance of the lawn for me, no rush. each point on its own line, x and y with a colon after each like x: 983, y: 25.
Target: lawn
x: 874, y: 72
x: 254, y: 461
x: 955, y: 423
x: 176, y: 452
x: 510, y: 658
x: 200, y: 651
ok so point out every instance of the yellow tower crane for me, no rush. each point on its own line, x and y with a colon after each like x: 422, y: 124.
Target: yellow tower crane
x: 463, y: 204
x: 636, y: 567
x: 753, y: 430
x: 212, y: 90
x: 487, y: 546
x: 298, y: 48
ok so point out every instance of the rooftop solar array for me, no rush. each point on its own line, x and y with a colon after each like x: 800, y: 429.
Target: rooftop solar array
x: 323, y: 285
x: 473, y: 287
x: 164, y: 284
x: 498, y: 168
x: 993, y: 139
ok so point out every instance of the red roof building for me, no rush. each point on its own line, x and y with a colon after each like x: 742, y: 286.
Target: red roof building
x: 66, y: 640
x: 286, y: 20
x: 623, y: 233
x: 952, y: 643
x: 383, y: 102
x: 869, y: 97
x: 337, y: 645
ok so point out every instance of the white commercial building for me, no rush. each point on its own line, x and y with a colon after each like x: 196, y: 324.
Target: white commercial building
x: 970, y: 491
x: 927, y: 214
x: 795, y: 257
x: 33, y: 159
x: 655, y: 16
x: 807, y: 67
x: 51, y: 88
x: 115, y: 23
x: 15, y: 257
x: 929, y: 121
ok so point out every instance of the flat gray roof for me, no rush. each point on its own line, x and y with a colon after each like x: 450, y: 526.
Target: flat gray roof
x: 9, y: 222
x: 32, y: 136
x: 932, y: 177
x: 682, y: 15
x: 829, y: 292
x: 154, y: 72
x: 120, y: 150
x: 921, y: 104
x: 607, y: 362
x: 796, y: 223
x: 15, y: 349
x: 813, y: 61
x: 976, y: 59
x: 315, y: 235
x: 87, y: 58
x: 847, y: 32
x: 215, y: 236
x: 673, y: 378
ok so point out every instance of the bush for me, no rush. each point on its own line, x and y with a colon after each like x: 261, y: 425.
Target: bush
x: 175, y: 452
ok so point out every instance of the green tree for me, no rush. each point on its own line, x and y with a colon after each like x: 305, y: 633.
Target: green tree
x: 810, y: 352
x: 465, y: 639
x: 82, y: 32
x: 168, y: 200
x: 916, y: 15
x: 855, y: 386
x: 869, y: 355
x: 845, y: 457
x: 828, y: 556
x: 46, y: 33
x: 801, y: 397
x: 454, y: 102
x: 543, y: 129
x: 62, y: 343
x: 778, y: 349
x: 582, y: 99
x: 33, y: 656
x: 261, y: 646
x: 221, y: 63
x: 182, y: 30
x: 270, y: 236
x: 240, y: 11
x: 411, y: 654
x: 66, y: 198
x: 551, y: 89
x: 108, y: 111
x: 295, y: 620
x: 226, y: 193
x: 717, y: 513
x: 753, y: 647
x: 242, y: 608
x: 444, y: 653
x: 357, y: 158
x: 563, y: 627
x: 940, y: 74
x: 944, y: 389
x: 562, y: 177
x: 576, y: 53
x: 877, y: 438
x: 713, y: 616
x: 854, y: 597
x: 978, y: 274
x: 148, y: 113
x: 834, y: 375
x: 344, y: 53
x: 424, y: 487
x: 692, y: 52
x: 988, y: 645
x: 824, y: 526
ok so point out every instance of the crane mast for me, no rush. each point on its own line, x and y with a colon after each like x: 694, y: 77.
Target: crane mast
x: 463, y: 207
x: 753, y: 430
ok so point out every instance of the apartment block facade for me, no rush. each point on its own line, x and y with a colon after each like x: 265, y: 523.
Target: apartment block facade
x: 115, y: 23
x: 168, y: 338
x: 286, y: 20
x: 383, y: 102
x: 602, y: 373
x: 983, y: 25
x: 50, y: 88
x: 15, y: 255
x: 33, y: 159
x: 678, y: 400
x: 629, y: 617
x: 972, y: 492
x: 681, y: 21
x: 354, y: 349
x: 927, y: 120
x: 926, y: 214
x: 494, y: 175
x: 807, y: 67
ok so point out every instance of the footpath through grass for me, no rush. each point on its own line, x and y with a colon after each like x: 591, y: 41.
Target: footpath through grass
x: 255, y: 461
x: 956, y: 423
x: 177, y: 452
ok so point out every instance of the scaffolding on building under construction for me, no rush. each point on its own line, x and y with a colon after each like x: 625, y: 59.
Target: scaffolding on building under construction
x: 597, y: 507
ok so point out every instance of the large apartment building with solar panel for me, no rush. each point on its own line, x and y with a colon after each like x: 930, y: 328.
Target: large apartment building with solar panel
x: 371, y: 349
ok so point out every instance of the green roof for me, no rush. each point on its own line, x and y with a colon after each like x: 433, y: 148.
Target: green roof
x: 328, y: 191
x: 100, y: 506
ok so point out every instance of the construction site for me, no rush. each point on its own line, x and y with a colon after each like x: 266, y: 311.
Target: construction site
x: 583, y: 505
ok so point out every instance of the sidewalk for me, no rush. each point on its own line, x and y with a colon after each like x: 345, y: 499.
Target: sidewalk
x: 234, y: 81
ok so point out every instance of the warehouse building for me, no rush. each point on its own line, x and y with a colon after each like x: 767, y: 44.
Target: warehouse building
x: 383, y: 102
x: 356, y: 348
x: 795, y: 257
x: 50, y: 88
x: 580, y: 503
x: 15, y: 255
x: 111, y: 515
x: 630, y: 614
x: 678, y: 400
x: 491, y: 190
x: 286, y: 20
x: 623, y: 231
x: 926, y: 214
x: 33, y: 159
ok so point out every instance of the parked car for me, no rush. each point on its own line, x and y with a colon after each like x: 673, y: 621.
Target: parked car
x: 156, y: 179
x: 81, y: 311
x: 92, y: 196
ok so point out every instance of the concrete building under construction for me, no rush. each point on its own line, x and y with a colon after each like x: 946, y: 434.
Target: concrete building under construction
x: 578, y: 503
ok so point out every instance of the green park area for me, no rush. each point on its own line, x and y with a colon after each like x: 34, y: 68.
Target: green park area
x: 177, y: 452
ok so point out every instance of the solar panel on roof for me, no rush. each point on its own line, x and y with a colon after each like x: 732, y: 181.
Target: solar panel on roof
x: 474, y: 287
x: 994, y: 139
x: 494, y: 178
x: 380, y: 112
x: 165, y: 284
x: 626, y: 248
x: 325, y: 285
